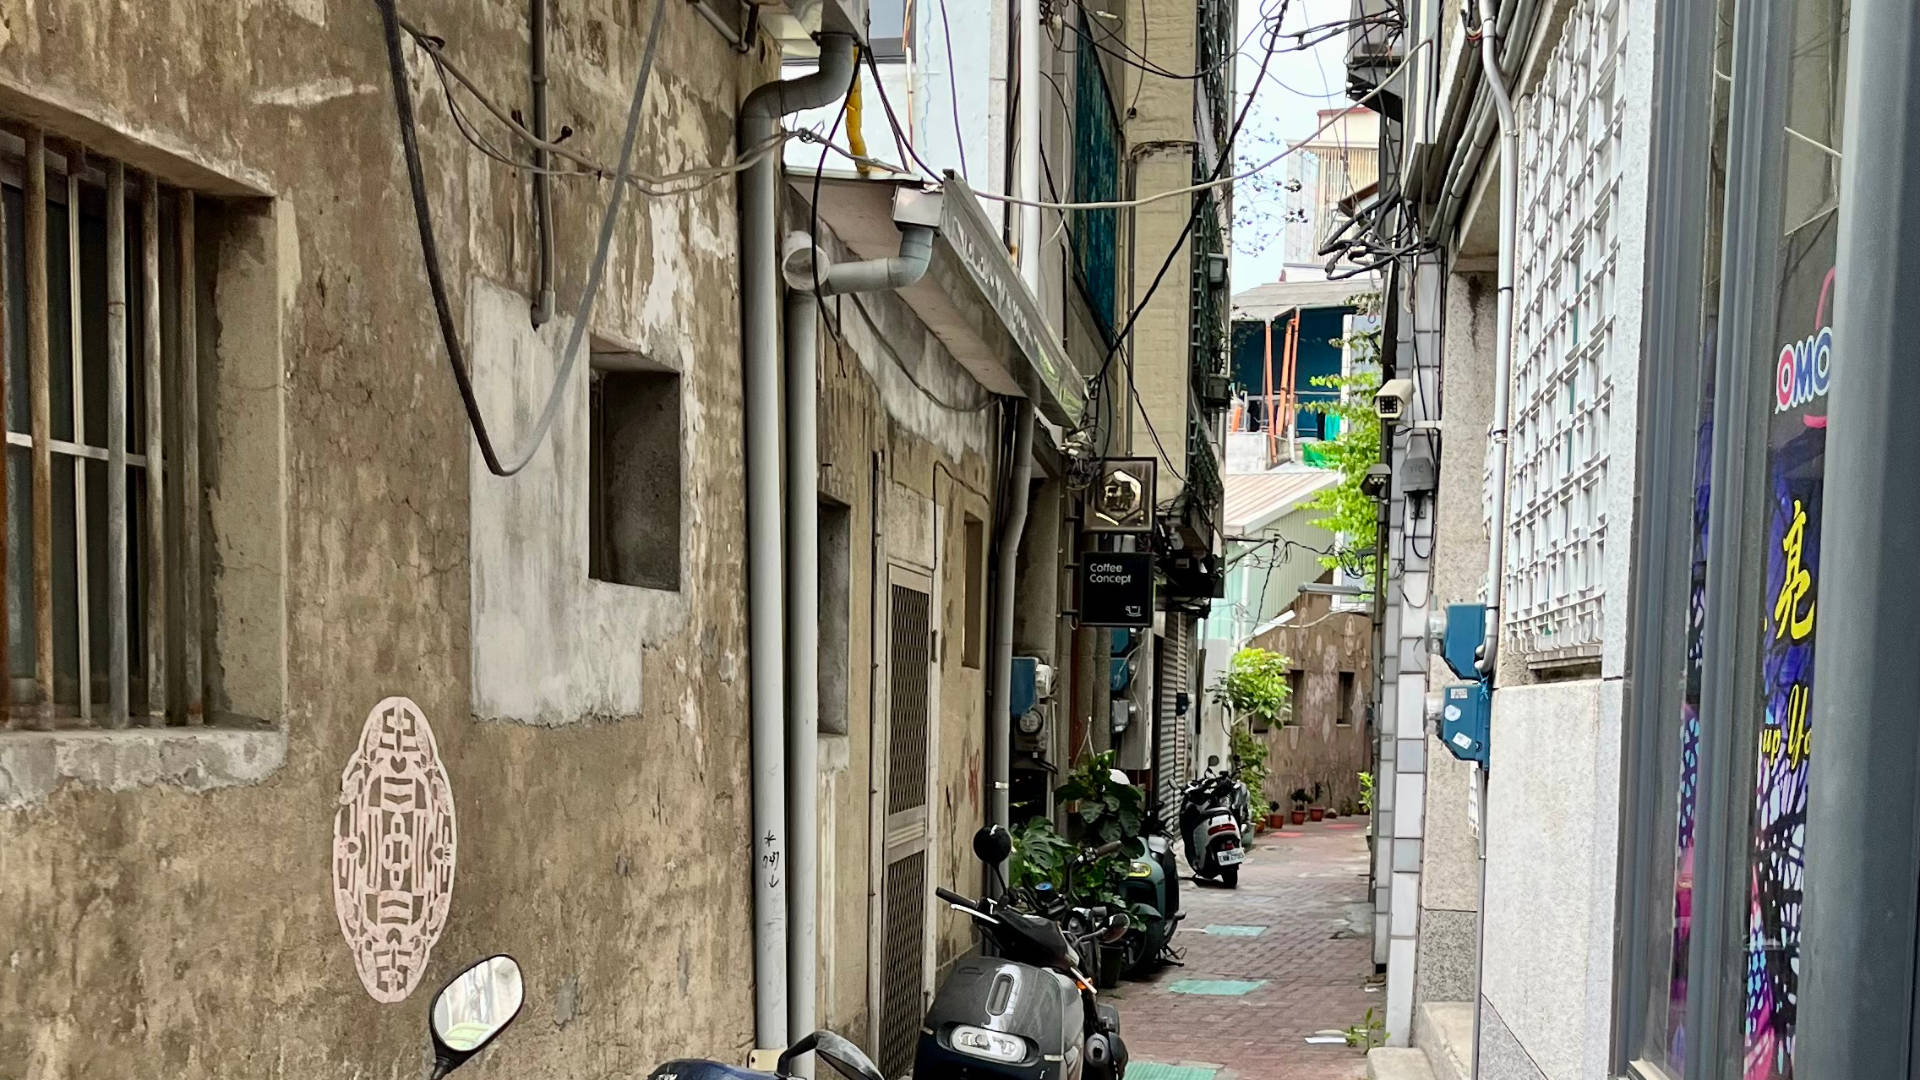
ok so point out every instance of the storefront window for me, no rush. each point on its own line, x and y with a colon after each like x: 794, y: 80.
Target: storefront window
x: 1795, y: 377
x: 1661, y: 1037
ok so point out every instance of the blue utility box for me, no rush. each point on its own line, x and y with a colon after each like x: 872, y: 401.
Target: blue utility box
x: 1466, y: 630
x: 1022, y: 694
x: 1466, y: 720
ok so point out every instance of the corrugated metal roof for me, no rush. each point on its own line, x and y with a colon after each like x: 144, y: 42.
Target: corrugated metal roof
x: 1256, y: 499
x: 1263, y: 302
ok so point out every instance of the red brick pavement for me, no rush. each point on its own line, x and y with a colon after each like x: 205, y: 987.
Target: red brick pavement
x: 1308, y: 887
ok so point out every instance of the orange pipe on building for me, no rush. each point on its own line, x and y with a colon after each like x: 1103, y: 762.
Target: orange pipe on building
x: 1267, y: 413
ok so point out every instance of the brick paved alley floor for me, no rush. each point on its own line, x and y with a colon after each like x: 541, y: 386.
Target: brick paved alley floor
x: 1289, y: 955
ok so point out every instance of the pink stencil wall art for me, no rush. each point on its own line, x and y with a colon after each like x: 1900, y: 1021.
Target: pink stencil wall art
x: 393, y: 850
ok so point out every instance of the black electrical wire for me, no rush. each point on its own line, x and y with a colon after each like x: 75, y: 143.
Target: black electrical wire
x: 813, y: 206
x: 900, y: 362
x: 1193, y: 215
x: 430, y: 251
x: 953, y: 98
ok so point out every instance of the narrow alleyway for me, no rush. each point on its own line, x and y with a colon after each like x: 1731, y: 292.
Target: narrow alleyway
x: 1281, y: 958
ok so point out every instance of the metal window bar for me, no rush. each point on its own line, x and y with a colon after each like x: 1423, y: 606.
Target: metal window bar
x: 90, y: 604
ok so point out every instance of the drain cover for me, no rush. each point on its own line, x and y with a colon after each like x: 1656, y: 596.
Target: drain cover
x: 1235, y: 931
x: 1216, y: 987
x: 1147, y: 1070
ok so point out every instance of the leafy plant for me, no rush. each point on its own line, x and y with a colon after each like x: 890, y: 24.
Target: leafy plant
x: 1040, y: 855
x: 1103, y: 811
x: 1368, y: 1033
x: 1346, y: 509
x: 1366, y: 793
x: 1254, y: 686
x: 1251, y: 752
x: 1106, y: 810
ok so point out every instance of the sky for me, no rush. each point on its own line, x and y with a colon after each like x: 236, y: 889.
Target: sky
x: 1285, y: 108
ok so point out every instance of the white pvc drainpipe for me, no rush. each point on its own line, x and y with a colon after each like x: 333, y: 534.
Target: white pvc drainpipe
x: 1489, y: 660
x: 801, y: 264
x: 760, y: 347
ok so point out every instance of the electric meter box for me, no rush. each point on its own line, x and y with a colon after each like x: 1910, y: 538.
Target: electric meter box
x: 1032, y: 684
x: 1466, y: 631
x: 1466, y: 720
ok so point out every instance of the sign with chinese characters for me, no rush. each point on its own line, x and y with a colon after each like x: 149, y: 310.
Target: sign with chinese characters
x: 1121, y: 500
x: 1116, y: 588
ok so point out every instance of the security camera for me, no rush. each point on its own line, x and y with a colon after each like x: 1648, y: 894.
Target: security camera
x: 1391, y: 400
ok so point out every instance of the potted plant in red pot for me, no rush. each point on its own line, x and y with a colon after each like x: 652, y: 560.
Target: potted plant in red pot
x: 1300, y: 800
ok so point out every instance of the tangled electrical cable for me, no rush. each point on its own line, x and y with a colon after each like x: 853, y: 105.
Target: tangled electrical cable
x: 1351, y: 561
x: 451, y: 74
x: 430, y: 251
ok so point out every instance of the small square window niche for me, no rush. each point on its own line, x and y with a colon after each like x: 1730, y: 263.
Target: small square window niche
x: 635, y: 470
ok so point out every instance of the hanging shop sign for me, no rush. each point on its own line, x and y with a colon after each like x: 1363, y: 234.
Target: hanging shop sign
x: 1122, y: 500
x: 1116, y: 589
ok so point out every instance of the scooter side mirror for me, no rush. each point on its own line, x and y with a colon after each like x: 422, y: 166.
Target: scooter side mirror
x: 1117, y: 926
x: 474, y: 1007
x: 992, y: 845
x: 845, y: 1057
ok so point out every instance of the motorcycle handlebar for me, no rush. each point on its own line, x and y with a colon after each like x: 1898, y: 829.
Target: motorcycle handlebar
x: 952, y: 897
x: 1105, y: 850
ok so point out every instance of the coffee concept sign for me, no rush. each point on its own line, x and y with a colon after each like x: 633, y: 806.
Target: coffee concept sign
x: 1116, y: 589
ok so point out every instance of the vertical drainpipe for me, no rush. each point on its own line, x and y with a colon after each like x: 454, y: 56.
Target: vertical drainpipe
x: 801, y: 264
x: 999, y: 719
x: 759, y: 121
x: 542, y: 183
x: 1006, y: 588
x: 1029, y: 117
x: 1489, y: 660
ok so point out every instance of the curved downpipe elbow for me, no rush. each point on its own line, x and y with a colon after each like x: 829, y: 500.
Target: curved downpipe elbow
x: 893, y: 272
x: 760, y: 113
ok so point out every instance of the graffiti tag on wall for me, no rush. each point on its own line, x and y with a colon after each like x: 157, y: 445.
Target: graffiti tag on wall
x: 393, y: 850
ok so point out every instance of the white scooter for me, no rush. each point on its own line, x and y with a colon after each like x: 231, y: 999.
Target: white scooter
x: 1210, y: 823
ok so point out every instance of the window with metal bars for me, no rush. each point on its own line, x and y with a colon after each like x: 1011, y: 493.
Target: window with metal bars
x: 103, y: 561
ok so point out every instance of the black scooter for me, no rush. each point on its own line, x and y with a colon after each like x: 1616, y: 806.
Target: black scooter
x: 1023, y: 1010
x: 477, y: 1005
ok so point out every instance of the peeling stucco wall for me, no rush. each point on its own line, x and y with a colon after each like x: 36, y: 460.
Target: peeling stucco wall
x: 170, y: 918
x: 1321, y: 746
x: 908, y: 469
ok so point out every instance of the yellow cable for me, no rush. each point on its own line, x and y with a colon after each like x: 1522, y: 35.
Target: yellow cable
x: 856, y: 138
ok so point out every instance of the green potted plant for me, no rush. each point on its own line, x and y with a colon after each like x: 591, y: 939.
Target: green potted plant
x: 1300, y: 799
x: 1366, y: 806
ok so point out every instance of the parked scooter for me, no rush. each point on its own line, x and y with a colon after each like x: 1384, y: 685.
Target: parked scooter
x: 477, y: 1005
x: 1211, y: 826
x: 1153, y: 897
x: 1024, y: 1010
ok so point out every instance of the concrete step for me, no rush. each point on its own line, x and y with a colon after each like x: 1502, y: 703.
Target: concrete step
x: 1397, y: 1063
x: 1444, y: 1030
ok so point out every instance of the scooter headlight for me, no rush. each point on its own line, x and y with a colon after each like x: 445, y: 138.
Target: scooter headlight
x: 1140, y: 869
x: 989, y: 1045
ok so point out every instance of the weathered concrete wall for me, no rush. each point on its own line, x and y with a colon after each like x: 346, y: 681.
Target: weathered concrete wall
x: 1321, y: 746
x: 910, y: 470
x: 171, y: 929
x: 1450, y: 857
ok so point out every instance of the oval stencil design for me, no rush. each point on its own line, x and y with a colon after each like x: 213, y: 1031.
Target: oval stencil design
x: 393, y: 850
